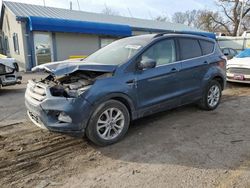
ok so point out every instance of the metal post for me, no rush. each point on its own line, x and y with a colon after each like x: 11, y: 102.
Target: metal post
x: 241, y: 13
x: 70, y: 5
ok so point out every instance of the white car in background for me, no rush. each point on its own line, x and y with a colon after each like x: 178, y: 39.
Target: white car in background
x: 238, y: 68
x: 9, y: 74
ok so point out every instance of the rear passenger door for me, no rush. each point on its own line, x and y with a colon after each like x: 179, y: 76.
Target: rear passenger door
x: 194, y: 65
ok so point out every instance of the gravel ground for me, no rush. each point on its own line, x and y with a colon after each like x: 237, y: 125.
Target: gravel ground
x: 184, y: 147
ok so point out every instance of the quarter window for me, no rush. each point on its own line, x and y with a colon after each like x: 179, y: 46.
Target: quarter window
x: 162, y: 52
x: 207, y: 47
x: 190, y: 48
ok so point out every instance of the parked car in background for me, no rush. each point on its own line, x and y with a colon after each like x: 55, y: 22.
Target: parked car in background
x: 229, y: 52
x: 238, y: 68
x: 126, y: 80
x: 9, y: 74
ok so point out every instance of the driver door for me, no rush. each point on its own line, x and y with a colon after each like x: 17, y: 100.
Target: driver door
x: 159, y: 88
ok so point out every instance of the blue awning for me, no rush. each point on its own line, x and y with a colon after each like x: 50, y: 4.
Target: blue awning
x: 75, y: 26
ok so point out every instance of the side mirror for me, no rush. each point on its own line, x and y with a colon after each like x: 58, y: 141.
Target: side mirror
x: 146, y: 64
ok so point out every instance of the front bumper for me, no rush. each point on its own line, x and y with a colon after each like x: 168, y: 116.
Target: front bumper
x: 231, y: 77
x: 45, y: 113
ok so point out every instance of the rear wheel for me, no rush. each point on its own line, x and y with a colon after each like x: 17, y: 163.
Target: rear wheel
x: 109, y: 123
x: 212, y: 96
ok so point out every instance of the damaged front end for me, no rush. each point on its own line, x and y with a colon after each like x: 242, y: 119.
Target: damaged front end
x: 73, y: 85
x: 58, y: 103
x: 9, y: 72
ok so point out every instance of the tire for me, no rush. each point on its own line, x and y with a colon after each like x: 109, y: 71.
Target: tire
x: 206, y: 101
x: 101, y: 123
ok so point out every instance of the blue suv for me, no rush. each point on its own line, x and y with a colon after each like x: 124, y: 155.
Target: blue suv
x: 129, y: 79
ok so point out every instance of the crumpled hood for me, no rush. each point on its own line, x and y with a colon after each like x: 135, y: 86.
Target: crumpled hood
x: 70, y: 66
x: 9, y: 62
x: 239, y: 62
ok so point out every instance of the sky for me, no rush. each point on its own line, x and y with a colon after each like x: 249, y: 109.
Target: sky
x: 147, y: 9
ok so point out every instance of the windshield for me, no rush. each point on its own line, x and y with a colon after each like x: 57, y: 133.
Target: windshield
x: 117, y: 52
x: 245, y: 53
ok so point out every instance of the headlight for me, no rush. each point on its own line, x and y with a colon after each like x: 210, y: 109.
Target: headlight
x: 77, y: 93
x: 8, y: 69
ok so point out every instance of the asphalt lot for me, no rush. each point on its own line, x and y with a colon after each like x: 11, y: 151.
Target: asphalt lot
x: 184, y: 147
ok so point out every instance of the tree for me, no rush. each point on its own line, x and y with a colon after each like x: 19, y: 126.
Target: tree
x: 187, y: 18
x: 162, y: 18
x: 109, y: 11
x: 179, y: 17
x: 230, y: 10
x: 205, y: 21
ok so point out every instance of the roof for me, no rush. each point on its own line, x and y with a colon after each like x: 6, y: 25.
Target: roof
x: 28, y: 10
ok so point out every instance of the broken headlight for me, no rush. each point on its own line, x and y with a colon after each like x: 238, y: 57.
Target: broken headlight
x: 9, y: 69
x: 78, y: 92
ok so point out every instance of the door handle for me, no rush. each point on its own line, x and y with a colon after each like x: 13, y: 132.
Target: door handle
x: 173, y: 70
x: 131, y: 82
x: 205, y: 62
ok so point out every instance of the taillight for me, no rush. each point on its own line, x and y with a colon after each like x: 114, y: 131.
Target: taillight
x: 222, y: 63
x: 223, y: 57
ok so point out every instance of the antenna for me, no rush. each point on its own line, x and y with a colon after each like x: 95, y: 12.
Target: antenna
x: 78, y: 5
x: 70, y: 5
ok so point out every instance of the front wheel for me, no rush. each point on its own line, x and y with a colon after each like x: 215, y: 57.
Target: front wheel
x: 212, y: 96
x: 109, y: 123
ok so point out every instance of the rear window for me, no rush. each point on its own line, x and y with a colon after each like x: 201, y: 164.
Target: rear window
x: 190, y: 48
x: 207, y: 47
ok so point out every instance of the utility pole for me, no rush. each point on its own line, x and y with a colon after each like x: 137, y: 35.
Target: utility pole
x: 241, y: 13
x: 70, y: 5
x: 44, y: 3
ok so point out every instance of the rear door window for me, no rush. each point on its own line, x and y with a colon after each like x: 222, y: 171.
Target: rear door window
x: 190, y: 48
x: 207, y: 47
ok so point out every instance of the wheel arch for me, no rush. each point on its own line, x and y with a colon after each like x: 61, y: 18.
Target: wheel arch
x: 219, y: 79
x: 124, y: 99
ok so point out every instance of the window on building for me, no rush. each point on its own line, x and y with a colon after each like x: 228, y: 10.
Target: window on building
x: 15, y: 42
x: 1, y: 44
x: 6, y: 45
x: 190, y: 48
x: 106, y: 41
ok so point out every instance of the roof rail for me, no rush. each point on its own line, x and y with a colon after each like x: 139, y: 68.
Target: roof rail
x: 197, y: 33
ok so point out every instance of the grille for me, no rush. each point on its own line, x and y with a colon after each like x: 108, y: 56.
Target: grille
x: 36, y: 91
x: 2, y: 69
x: 244, y: 71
